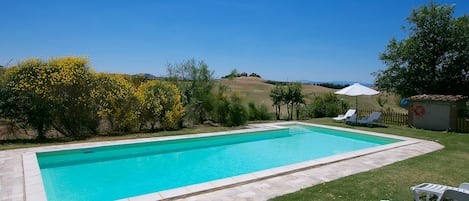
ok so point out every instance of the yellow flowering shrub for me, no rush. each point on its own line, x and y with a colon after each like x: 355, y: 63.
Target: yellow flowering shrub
x: 65, y: 94
x: 160, y: 102
x: 116, y: 100
x: 53, y: 93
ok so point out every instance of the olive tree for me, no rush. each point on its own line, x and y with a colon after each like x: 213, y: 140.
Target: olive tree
x: 277, y: 96
x: 195, y: 83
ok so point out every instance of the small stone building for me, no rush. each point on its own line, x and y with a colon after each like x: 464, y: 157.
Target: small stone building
x: 436, y: 112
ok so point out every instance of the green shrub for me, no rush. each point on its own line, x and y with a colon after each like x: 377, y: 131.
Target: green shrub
x: 258, y: 112
x: 326, y: 105
x: 238, y: 114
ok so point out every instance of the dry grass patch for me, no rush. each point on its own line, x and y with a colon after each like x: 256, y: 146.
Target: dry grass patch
x: 254, y: 89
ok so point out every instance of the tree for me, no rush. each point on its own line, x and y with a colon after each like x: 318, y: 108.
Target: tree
x: 277, y: 96
x: 3, y: 69
x: 3, y: 92
x: 234, y: 73
x: 382, y: 101
x: 293, y: 98
x: 297, y: 99
x: 288, y: 101
x: 434, y: 59
x: 195, y: 83
x: 254, y: 75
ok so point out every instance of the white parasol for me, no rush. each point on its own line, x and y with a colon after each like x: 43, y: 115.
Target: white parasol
x: 357, y: 90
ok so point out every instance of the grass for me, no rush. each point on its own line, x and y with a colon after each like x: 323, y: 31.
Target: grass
x: 447, y: 166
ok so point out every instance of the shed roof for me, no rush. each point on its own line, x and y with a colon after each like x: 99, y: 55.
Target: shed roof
x: 442, y: 98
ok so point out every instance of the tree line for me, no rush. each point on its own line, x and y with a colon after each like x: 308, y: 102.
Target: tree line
x: 64, y: 94
x: 205, y: 101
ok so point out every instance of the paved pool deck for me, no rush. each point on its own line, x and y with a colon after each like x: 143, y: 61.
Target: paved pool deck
x: 20, y: 176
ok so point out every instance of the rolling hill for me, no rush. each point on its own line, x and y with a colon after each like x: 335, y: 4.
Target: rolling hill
x: 257, y: 90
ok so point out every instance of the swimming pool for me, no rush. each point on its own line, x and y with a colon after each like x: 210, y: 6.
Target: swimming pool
x: 115, y: 172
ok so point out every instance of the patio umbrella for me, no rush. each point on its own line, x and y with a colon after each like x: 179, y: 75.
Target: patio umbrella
x: 357, y: 90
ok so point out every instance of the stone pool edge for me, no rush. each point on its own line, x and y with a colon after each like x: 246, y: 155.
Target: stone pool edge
x: 196, y: 189
x: 32, y: 180
x: 34, y: 189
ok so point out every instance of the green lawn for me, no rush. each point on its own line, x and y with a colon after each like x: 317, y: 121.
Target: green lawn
x: 447, y: 166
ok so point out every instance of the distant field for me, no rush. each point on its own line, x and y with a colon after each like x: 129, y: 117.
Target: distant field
x: 256, y: 90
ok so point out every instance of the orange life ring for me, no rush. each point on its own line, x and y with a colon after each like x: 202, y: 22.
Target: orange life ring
x: 418, y: 110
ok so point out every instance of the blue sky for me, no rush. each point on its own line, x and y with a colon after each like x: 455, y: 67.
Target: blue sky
x: 287, y: 40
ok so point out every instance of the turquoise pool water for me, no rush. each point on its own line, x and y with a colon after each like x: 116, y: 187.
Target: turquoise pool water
x: 116, y: 172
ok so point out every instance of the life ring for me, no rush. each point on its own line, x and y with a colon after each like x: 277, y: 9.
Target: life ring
x: 418, y: 110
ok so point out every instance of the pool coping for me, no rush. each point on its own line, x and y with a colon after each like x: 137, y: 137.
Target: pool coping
x: 34, y: 189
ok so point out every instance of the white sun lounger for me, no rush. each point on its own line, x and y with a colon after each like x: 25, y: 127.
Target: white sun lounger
x: 374, y: 117
x: 436, y: 189
x: 455, y: 195
x: 347, y: 115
